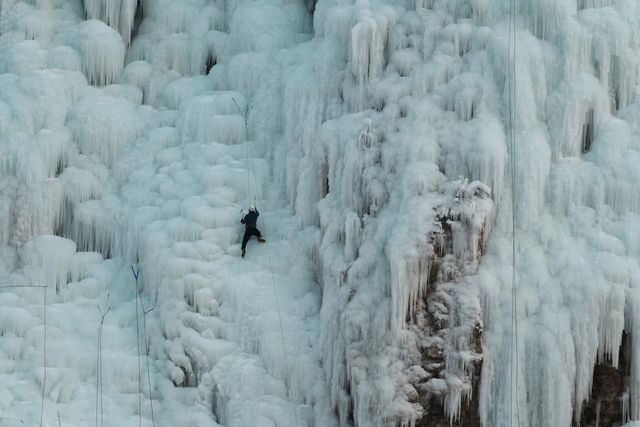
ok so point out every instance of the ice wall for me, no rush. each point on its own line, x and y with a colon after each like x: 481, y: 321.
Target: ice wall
x: 395, y: 157
x: 124, y: 148
x: 576, y: 272
x: 373, y: 136
x: 415, y: 96
x: 119, y: 14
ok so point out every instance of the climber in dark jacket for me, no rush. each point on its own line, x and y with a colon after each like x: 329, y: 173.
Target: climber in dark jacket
x: 250, y: 228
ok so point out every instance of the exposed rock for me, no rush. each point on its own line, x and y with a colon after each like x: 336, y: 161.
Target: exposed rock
x: 605, y: 408
x: 449, y: 320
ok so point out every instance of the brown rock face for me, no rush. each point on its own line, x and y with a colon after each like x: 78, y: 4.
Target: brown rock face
x: 604, y: 408
x: 451, y: 333
x: 435, y: 415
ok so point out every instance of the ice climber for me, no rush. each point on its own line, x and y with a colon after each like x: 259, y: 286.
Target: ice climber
x: 250, y: 228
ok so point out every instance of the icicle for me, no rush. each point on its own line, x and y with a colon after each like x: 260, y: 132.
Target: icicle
x: 6, y: 202
x: 596, y: 4
x: 466, y: 96
x: 35, y: 210
x: 469, y: 216
x: 180, y: 229
x: 624, y: 403
x: 456, y: 391
x: 22, y: 57
x: 368, y: 44
x: 95, y: 224
x: 80, y: 185
x: 137, y: 73
x: 104, y: 125
x: 611, y: 326
x: 337, y: 25
x: 547, y: 17
x: 6, y: 5
x: 179, y: 90
x: 352, y: 236
x: 50, y: 258
x: 118, y: 14
x: 101, y: 49
x: 481, y: 11
x: 33, y: 23
x: 215, y: 118
x: 633, y: 315
x: 303, y: 109
x: 410, y: 270
x: 53, y: 146
x: 568, y: 118
x: 360, y: 46
x: 175, y: 52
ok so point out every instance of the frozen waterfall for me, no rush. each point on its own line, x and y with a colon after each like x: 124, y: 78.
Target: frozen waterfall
x: 447, y: 189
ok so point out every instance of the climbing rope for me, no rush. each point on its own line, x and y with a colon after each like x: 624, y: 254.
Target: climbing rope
x: 139, y: 300
x: 99, y: 404
x: 138, y: 348
x: 252, y: 174
x: 282, y: 330
x: 146, y: 346
x: 511, y: 67
x: 245, y: 116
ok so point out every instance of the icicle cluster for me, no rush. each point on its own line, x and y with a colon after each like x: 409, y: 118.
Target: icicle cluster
x: 101, y: 51
x: 378, y: 133
x: 118, y: 14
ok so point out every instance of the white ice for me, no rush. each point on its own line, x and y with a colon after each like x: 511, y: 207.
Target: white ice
x: 374, y: 138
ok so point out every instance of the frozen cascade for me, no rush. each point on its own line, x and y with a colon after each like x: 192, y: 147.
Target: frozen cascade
x: 376, y: 148
x: 118, y: 14
x: 101, y: 51
x: 158, y: 185
x: 550, y: 140
x: 50, y: 257
x: 103, y: 125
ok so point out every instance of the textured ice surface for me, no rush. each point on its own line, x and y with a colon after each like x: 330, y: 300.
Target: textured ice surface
x: 376, y: 148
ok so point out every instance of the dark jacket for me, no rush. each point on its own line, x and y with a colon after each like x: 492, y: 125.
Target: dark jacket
x: 250, y: 218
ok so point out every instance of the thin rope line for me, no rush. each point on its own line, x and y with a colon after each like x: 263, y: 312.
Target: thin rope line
x: 146, y: 346
x: 514, y: 284
x: 277, y: 301
x: 12, y: 419
x: 246, y: 141
x: 282, y: 335
x: 22, y: 286
x: 139, y: 360
x: 252, y: 172
x: 44, y: 353
x: 98, y: 369
x: 245, y: 117
x: 99, y: 380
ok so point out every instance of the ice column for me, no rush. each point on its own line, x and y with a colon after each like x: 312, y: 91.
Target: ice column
x: 104, y: 125
x: 101, y: 49
x: 369, y: 44
x: 48, y: 258
x: 118, y: 14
